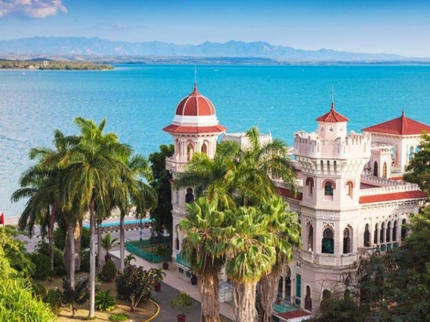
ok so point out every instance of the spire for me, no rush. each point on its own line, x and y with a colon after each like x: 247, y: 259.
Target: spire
x: 332, y: 97
x: 195, y: 78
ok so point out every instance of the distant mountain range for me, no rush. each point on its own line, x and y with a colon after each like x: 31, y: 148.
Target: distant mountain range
x: 81, y: 48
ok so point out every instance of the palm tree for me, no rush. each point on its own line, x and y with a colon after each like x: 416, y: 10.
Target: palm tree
x: 128, y: 259
x: 201, y: 242
x: 132, y: 188
x: 213, y: 177
x: 107, y: 243
x: 42, y: 186
x: 286, y: 226
x: 258, y: 164
x: 93, y: 161
x: 251, y: 254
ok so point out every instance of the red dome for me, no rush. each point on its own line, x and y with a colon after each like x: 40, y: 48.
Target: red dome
x: 195, y: 104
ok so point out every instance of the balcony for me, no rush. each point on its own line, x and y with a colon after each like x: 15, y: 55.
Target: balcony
x: 175, y: 166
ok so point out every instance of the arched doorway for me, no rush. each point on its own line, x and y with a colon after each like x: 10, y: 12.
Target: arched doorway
x: 308, y: 299
x: 375, y: 169
x: 384, y: 170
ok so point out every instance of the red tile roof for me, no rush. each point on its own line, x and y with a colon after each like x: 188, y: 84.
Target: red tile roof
x: 393, y: 196
x: 399, y: 126
x: 195, y: 104
x: 293, y: 314
x: 332, y: 116
x: 194, y: 129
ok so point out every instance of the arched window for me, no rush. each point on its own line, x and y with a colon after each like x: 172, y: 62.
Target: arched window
x: 366, y: 236
x: 375, y: 169
x: 190, y: 151
x: 411, y: 152
x: 204, y: 148
x: 349, y: 188
x: 381, y: 233
x: 328, y: 188
x: 387, y: 238
x: 189, y: 197
x: 310, y: 237
x: 395, y: 231
x: 330, y: 129
x: 177, y: 147
x: 346, y: 241
x: 310, y: 185
x: 403, y: 235
x: 394, y: 153
x: 384, y: 170
x: 327, y: 242
x: 308, y: 299
x: 375, y: 235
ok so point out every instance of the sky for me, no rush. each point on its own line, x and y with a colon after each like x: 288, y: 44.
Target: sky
x: 365, y: 26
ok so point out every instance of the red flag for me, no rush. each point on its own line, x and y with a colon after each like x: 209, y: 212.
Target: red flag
x: 1, y: 218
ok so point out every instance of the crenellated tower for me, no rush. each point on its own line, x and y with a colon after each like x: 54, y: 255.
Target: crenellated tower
x: 331, y: 162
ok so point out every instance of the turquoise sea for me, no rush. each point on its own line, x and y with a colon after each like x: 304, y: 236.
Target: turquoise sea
x: 139, y: 100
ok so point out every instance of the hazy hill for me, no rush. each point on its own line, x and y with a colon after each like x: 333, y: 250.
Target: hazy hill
x: 79, y: 46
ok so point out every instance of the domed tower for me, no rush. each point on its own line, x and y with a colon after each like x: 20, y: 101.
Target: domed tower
x: 195, y: 128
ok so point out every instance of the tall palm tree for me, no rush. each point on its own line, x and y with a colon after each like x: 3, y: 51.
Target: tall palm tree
x: 251, y: 254
x: 41, y: 185
x: 202, y: 227
x: 286, y: 226
x: 132, y: 189
x: 93, y: 161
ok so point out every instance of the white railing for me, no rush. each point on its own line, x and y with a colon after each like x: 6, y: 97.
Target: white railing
x: 385, y: 186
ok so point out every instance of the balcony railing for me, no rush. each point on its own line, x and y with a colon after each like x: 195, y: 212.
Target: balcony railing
x: 180, y: 261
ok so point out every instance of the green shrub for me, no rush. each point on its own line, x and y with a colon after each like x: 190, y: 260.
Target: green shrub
x: 42, y: 248
x: 43, y: 269
x: 39, y: 289
x: 77, y: 296
x: 108, y: 272
x: 105, y: 301
x: 134, y: 284
x: 17, y: 302
x: 119, y: 317
x: 53, y: 299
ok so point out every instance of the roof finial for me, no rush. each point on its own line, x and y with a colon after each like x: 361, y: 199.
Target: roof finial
x: 195, y: 77
x: 403, y: 112
x: 332, y: 97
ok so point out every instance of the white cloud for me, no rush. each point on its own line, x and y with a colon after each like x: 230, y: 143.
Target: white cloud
x: 31, y: 8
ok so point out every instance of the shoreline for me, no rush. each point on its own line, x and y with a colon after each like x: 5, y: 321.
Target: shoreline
x: 11, y: 221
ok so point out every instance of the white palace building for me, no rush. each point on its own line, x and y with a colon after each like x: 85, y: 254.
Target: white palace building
x: 351, y: 197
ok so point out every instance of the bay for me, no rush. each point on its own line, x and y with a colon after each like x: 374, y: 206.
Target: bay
x: 139, y: 100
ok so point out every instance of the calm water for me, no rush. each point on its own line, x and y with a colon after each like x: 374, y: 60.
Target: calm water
x: 139, y: 100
